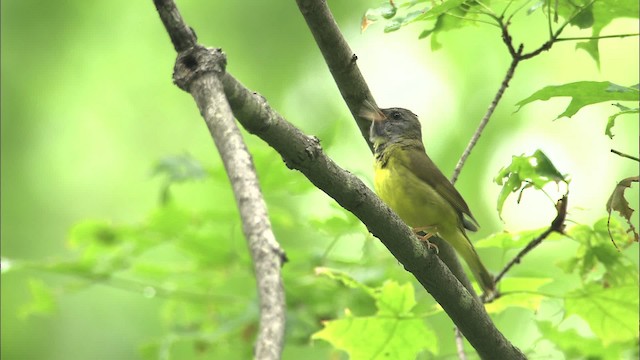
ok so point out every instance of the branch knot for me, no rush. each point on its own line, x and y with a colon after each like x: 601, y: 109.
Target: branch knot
x: 196, y: 61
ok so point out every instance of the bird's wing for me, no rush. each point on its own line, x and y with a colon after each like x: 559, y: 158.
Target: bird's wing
x: 423, y: 167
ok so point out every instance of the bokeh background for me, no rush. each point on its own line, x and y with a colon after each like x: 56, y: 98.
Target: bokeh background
x: 88, y: 109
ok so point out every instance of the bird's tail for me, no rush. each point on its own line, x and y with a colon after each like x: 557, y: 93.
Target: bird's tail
x: 464, y: 247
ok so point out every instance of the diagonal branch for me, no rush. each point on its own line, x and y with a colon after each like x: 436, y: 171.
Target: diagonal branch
x: 487, y: 116
x: 557, y: 225
x: 198, y: 71
x: 340, y: 59
x: 303, y: 153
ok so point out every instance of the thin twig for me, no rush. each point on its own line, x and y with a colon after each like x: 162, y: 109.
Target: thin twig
x: 625, y: 155
x: 459, y: 344
x: 199, y: 70
x: 485, y: 119
x: 517, y: 56
x: 549, y: 22
x: 557, y: 225
x: 595, y: 37
x: 517, y: 10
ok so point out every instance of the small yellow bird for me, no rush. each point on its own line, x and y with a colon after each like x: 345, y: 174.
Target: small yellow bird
x: 412, y: 185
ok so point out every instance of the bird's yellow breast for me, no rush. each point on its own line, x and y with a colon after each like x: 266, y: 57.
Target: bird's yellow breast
x: 414, y: 200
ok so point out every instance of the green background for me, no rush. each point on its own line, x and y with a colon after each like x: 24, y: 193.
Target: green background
x: 88, y: 108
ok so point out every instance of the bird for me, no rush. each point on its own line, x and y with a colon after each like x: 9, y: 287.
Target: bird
x: 411, y: 184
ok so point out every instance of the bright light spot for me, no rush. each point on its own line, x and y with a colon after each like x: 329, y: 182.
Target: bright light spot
x: 149, y: 292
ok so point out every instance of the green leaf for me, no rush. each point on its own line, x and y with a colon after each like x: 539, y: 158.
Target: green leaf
x: 394, y: 299
x: 623, y: 111
x: 395, y: 332
x: 617, y: 202
x: 93, y: 232
x: 575, y: 346
x: 596, y: 258
x: 537, y: 5
x: 444, y: 15
x: 612, y: 313
x: 526, y: 171
x: 583, y: 93
x: 180, y: 168
x: 602, y: 14
x: 506, y: 240
x: 379, y: 338
x: 440, y: 9
x: 42, y: 300
x: 345, y: 279
x: 518, y: 292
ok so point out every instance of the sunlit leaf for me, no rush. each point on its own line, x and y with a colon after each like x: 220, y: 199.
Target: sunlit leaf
x: 506, y: 240
x: 612, y: 119
x: 597, y: 257
x: 518, y: 292
x: 611, y: 312
x: 379, y: 338
x: 392, y: 330
x: 42, y: 300
x: 584, y: 93
x: 394, y: 299
x: 441, y: 15
x: 345, y: 279
x: 575, y: 346
x: 526, y: 171
x: 594, y: 14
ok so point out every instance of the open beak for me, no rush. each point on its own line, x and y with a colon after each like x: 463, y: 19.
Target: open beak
x: 371, y: 112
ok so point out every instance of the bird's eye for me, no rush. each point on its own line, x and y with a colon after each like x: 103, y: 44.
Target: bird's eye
x: 396, y: 115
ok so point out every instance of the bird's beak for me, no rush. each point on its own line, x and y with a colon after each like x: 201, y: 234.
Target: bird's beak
x: 371, y: 112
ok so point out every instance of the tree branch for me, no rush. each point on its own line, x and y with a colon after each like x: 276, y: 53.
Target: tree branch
x: 625, y: 155
x: 487, y: 116
x: 557, y: 225
x: 459, y: 344
x: 340, y: 59
x: 198, y: 71
x: 619, y: 36
x: 303, y: 153
x: 517, y: 56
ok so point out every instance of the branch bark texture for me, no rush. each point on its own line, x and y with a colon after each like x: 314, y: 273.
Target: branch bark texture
x: 340, y: 59
x: 198, y: 71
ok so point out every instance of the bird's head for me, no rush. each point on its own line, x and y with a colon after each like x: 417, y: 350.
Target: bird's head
x: 392, y: 125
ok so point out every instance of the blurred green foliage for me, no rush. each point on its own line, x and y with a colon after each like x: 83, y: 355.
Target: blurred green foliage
x: 119, y: 226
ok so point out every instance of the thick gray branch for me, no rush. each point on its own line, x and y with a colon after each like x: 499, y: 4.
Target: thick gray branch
x: 340, y: 59
x: 198, y: 72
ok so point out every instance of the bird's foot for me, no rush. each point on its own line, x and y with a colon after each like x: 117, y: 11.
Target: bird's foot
x: 424, y: 233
